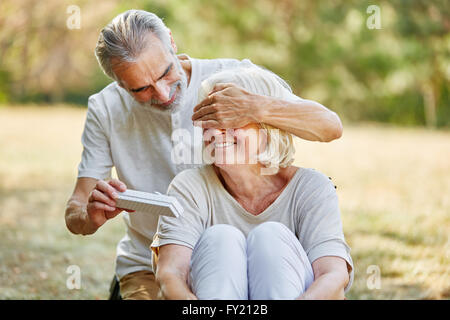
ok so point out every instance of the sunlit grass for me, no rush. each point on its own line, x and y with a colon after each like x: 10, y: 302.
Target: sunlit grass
x: 393, y: 185
x: 394, y: 191
x: 40, y: 151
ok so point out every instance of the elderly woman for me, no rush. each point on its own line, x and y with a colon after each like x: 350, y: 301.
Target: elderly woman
x: 254, y: 226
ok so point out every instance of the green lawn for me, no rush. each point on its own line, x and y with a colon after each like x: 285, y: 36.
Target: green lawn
x: 393, y: 185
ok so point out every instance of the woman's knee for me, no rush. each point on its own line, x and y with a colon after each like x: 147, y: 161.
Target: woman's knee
x: 222, y: 234
x: 270, y: 239
x: 267, y: 231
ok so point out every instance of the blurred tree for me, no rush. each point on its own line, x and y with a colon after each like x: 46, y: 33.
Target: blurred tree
x: 42, y: 56
x: 399, y: 73
x: 424, y: 27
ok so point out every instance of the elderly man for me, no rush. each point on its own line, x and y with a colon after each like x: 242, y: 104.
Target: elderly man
x: 134, y: 125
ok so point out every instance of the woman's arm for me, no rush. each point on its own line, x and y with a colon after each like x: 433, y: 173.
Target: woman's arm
x: 330, y: 278
x: 172, y: 272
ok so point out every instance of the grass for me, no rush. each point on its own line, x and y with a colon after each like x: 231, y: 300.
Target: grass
x: 394, y: 191
x: 393, y: 185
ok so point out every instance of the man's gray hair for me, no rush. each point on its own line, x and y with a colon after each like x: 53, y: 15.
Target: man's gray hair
x: 125, y: 38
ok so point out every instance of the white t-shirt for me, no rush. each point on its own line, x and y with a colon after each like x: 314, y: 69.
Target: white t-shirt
x: 308, y: 206
x: 147, y: 147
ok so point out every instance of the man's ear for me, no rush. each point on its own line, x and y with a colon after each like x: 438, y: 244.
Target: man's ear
x: 172, y: 42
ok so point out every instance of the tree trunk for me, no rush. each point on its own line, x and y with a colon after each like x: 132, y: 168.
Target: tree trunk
x: 429, y: 102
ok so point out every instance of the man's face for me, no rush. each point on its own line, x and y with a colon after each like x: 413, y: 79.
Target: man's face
x: 156, y: 79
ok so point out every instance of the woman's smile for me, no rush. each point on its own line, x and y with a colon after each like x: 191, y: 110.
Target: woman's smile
x: 224, y: 144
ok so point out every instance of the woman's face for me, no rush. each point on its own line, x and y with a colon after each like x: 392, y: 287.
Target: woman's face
x: 234, y: 146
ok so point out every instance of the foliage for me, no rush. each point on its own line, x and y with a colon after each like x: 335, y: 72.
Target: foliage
x: 324, y: 49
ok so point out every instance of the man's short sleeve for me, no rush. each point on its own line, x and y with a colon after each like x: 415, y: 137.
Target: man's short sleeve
x: 320, y: 226
x: 96, y: 161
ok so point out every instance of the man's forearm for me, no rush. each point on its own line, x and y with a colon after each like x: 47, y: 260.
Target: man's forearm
x: 305, y: 119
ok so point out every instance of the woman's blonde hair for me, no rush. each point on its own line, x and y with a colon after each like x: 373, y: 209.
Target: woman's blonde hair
x: 280, y: 149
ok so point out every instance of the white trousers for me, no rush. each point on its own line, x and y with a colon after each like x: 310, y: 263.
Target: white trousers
x: 269, y: 264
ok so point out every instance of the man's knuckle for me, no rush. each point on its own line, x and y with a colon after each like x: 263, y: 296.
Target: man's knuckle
x: 98, y: 205
x: 220, y: 114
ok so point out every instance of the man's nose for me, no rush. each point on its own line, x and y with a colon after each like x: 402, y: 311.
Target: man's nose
x: 162, y: 92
